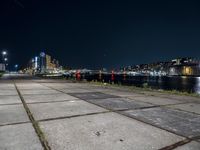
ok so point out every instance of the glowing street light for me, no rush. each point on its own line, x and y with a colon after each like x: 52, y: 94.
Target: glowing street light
x: 4, y: 53
x: 4, y: 58
x: 16, y: 66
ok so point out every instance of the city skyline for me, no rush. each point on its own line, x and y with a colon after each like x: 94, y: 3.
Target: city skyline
x: 174, y: 61
x: 95, y: 34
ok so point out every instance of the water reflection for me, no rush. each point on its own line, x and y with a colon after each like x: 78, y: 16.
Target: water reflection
x: 197, y: 87
x: 184, y: 80
x: 183, y: 84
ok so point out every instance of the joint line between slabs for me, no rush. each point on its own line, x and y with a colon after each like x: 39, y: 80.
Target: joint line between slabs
x: 8, y: 124
x: 125, y: 115
x: 38, y: 131
x: 74, y: 116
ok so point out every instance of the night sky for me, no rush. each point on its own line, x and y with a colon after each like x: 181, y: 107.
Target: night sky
x: 97, y: 33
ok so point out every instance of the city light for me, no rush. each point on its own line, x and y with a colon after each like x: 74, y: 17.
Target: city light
x: 16, y: 66
x: 197, y: 88
x: 4, y: 53
x: 36, y: 62
x: 5, y: 59
x: 42, y: 54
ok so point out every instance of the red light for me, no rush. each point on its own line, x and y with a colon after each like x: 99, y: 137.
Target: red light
x: 78, y: 75
x: 112, y: 76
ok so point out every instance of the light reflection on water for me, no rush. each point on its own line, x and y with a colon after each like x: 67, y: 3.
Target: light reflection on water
x: 179, y: 83
x: 197, y: 87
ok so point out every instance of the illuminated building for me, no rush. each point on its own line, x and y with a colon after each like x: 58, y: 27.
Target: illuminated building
x: 50, y: 64
x: 42, y: 64
x: 2, y: 67
x: 187, y: 70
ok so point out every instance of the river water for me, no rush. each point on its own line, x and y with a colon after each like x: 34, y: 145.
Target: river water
x: 179, y: 83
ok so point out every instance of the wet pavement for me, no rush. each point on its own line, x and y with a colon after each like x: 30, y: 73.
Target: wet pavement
x: 61, y: 115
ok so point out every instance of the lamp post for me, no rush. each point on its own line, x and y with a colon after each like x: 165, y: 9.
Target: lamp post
x: 4, y: 57
x: 4, y: 54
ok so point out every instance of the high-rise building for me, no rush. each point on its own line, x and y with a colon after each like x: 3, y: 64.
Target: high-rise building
x: 48, y: 61
x: 43, y: 64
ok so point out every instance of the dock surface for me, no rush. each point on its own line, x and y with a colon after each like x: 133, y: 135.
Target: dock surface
x: 55, y: 114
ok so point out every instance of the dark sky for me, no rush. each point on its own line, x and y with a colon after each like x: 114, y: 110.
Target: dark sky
x: 98, y: 33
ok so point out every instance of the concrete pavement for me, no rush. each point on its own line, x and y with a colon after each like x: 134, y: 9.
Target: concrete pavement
x: 60, y: 115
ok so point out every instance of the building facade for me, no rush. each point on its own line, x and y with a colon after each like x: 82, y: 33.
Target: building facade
x: 42, y: 64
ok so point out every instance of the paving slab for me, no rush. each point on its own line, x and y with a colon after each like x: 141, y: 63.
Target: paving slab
x: 32, y: 92
x: 8, y: 92
x: 62, y: 85
x: 48, y: 98
x: 12, y: 114
x: 10, y: 100
x: 39, y: 80
x: 123, y: 93
x: 19, y: 137
x: 34, y: 87
x: 190, y: 107
x: 56, y: 86
x: 109, y: 131
x: 62, y: 109
x: 179, y: 122
x: 30, y: 86
x: 92, y: 95
x: 75, y: 90
x: 119, y: 103
x: 97, y: 88
x: 156, y: 100
x: 7, y: 86
x: 190, y: 146
x: 26, y: 83
x: 102, y: 90
x: 183, y: 98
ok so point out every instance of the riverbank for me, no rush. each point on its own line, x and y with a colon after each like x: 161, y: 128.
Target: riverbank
x: 145, y: 89
x: 1, y: 74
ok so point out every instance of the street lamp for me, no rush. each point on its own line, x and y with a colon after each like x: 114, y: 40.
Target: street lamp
x: 4, y: 53
x: 16, y: 67
x: 4, y: 58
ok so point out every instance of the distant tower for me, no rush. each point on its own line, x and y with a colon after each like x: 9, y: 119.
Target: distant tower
x: 42, y: 62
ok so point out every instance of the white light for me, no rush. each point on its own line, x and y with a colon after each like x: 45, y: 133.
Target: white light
x: 4, y: 53
x: 36, y: 60
x: 5, y: 59
x: 198, y: 85
x: 42, y: 54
